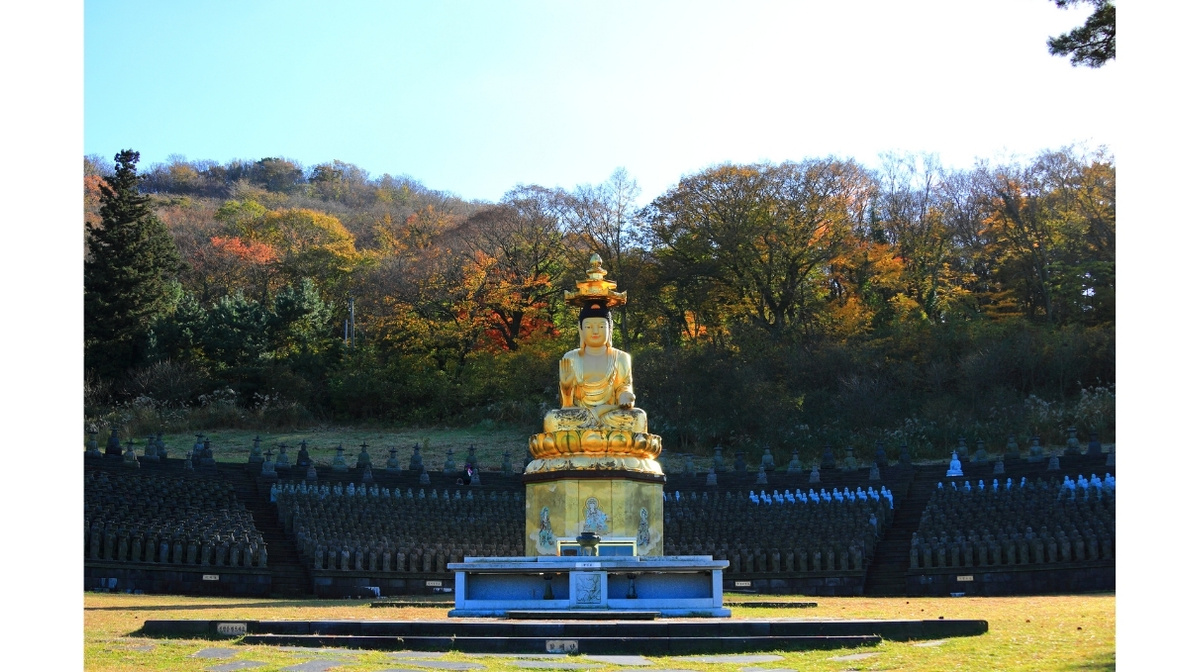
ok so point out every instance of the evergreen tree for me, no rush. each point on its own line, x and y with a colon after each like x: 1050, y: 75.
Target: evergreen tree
x: 1095, y: 43
x: 130, y: 258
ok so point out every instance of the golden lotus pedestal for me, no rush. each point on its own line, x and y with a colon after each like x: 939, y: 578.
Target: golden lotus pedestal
x: 591, y: 480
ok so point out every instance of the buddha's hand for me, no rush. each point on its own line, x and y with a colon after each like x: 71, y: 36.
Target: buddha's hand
x: 626, y: 400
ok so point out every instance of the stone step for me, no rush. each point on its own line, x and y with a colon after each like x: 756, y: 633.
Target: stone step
x: 622, y: 644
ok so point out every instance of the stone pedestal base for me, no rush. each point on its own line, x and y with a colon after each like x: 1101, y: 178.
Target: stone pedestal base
x: 624, y: 508
x: 672, y: 586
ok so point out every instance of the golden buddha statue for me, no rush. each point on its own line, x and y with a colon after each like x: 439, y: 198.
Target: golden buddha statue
x: 598, y: 426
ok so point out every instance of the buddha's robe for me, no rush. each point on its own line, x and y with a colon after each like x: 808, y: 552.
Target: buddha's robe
x: 595, y: 404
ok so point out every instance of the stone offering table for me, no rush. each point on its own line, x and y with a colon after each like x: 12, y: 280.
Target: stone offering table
x: 677, y: 585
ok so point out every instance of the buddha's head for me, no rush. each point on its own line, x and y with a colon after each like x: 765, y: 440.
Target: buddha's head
x: 595, y: 326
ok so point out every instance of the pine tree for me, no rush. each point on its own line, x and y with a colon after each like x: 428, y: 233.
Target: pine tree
x: 130, y: 258
x: 1095, y: 43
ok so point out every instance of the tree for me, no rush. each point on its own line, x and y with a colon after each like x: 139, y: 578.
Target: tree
x: 1054, y: 223
x: 759, y: 238
x: 130, y: 260
x: 603, y: 220
x: 1095, y: 42
x: 517, y: 246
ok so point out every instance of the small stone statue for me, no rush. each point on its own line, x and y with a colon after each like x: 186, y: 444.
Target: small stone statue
x: 476, y: 478
x: 688, y: 467
x: 416, y: 460
x: 311, y: 477
x: 1053, y: 463
x: 303, y: 460
x: 828, y: 458
x: 980, y: 454
x: 999, y: 468
x: 718, y: 460
x: 954, y: 466
x: 875, y: 472
x: 367, y: 476
x: 424, y: 479
x: 129, y: 455
x: 1094, y: 444
x: 1012, y: 448
x: 761, y: 476
x: 1073, y: 443
x: 1036, y: 450
x: 766, y: 461
x: 268, y: 467
x: 849, y: 463
x: 363, y: 458
x: 795, y: 466
x: 281, y: 461
x: 712, y: 479
x: 471, y: 459
x: 815, y: 475
x: 880, y: 455
x: 392, y: 462
x: 905, y: 457
x: 92, y: 445
x: 739, y: 465
x: 339, y: 463
x: 113, y: 447
x: 449, y: 464
x: 256, y: 456
x: 1111, y: 460
x: 207, y: 453
x: 150, y: 450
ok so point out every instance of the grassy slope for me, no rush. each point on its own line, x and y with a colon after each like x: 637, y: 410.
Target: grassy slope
x: 1026, y: 633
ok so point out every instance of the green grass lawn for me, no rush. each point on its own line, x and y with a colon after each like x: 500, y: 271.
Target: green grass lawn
x: 1071, y: 633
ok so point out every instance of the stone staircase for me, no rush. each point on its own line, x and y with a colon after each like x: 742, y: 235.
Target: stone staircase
x: 289, y: 577
x: 885, y: 575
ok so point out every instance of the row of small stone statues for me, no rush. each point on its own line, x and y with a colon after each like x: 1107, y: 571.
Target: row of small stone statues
x: 1039, y: 504
x: 335, y: 520
x: 365, y: 463
x: 1035, y: 453
x: 325, y: 491
x: 941, y: 551
x: 375, y: 521
x: 156, y: 491
x: 112, y: 544
x: 740, y: 505
x: 368, y: 523
x: 1069, y: 488
x: 738, y: 514
x: 850, y: 463
x: 795, y: 466
x: 406, y: 557
x: 721, y: 523
x: 1033, y: 506
x: 807, y: 558
x: 154, y: 450
x: 156, y: 504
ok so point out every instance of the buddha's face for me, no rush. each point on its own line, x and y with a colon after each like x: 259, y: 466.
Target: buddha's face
x: 596, y: 331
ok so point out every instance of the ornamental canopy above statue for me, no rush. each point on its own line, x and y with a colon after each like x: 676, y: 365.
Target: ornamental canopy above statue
x: 599, y: 425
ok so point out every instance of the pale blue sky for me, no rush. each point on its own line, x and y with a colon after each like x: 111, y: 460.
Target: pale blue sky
x: 475, y: 97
